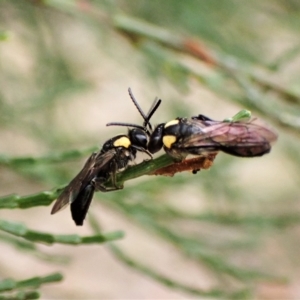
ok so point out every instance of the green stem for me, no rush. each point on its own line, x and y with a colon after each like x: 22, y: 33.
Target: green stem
x: 20, y: 230
x: 144, y: 168
x: 34, y: 282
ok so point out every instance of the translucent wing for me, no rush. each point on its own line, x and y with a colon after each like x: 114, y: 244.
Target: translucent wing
x: 245, y: 139
x: 93, y: 165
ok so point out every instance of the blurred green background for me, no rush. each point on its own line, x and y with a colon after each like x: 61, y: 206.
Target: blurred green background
x: 231, y: 231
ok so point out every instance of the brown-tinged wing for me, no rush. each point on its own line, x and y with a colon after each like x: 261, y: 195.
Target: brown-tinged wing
x: 250, y: 138
x: 90, y: 169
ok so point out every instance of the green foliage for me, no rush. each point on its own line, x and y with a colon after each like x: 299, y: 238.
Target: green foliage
x: 18, y: 229
x: 31, y: 283
x: 238, y: 222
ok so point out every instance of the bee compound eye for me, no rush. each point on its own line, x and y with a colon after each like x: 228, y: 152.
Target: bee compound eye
x: 138, y: 137
x: 156, y: 139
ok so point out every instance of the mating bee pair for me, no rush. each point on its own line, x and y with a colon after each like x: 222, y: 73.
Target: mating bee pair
x: 198, y: 135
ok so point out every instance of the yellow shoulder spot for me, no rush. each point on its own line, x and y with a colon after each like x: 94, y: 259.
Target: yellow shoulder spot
x: 169, y: 140
x: 122, y: 142
x: 173, y: 122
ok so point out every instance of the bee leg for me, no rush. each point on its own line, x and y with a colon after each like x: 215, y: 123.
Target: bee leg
x: 99, y: 186
x: 99, y: 182
x: 145, y: 151
x: 177, y: 155
x: 113, y: 177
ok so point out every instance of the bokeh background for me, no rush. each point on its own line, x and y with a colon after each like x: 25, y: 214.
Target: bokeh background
x: 231, y: 231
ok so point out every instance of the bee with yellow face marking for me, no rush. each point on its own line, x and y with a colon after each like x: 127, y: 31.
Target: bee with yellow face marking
x: 101, y: 166
x: 201, y: 135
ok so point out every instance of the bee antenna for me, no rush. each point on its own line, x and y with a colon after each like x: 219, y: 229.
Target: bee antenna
x: 137, y: 105
x: 146, y: 118
x: 152, y: 110
x: 150, y: 113
x: 125, y: 125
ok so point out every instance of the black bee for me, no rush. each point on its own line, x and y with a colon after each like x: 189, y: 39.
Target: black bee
x: 201, y: 135
x: 101, y: 166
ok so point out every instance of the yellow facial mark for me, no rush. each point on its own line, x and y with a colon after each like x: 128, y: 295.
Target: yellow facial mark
x: 173, y: 122
x: 169, y: 140
x: 122, y: 142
